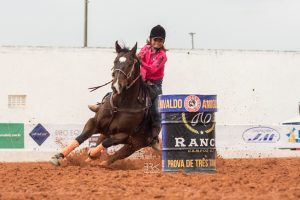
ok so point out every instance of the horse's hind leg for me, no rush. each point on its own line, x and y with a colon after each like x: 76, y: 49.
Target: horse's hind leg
x: 122, y: 153
x: 88, y: 130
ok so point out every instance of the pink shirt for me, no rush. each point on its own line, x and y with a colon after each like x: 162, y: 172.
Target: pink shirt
x: 152, y: 63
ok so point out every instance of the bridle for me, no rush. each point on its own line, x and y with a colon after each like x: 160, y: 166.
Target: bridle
x: 129, y: 74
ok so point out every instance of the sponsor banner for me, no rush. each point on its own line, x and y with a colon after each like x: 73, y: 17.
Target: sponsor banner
x: 30, y: 142
x: 234, y: 138
x: 63, y: 135
x: 261, y: 134
x: 39, y: 134
x: 51, y: 137
x: 11, y: 135
x: 187, y: 103
x: 257, y: 138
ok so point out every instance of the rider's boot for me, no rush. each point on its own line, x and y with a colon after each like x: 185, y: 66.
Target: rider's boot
x: 155, y: 141
x: 55, y: 160
x: 94, y: 108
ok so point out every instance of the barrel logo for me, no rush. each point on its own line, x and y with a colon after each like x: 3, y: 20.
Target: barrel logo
x: 192, y: 103
x: 202, y: 118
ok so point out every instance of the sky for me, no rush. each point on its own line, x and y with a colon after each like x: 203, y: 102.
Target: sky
x: 218, y: 24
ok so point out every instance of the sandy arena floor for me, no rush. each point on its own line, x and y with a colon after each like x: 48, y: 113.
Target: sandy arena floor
x: 272, y: 178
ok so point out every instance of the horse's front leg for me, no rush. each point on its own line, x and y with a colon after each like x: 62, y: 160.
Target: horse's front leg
x: 119, y: 138
x: 88, y: 130
x: 124, y: 152
x: 135, y: 144
x: 96, y: 154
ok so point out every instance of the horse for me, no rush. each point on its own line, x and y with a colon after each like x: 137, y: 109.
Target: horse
x: 123, y: 116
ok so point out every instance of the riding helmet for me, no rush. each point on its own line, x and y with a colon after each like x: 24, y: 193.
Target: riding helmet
x: 158, y: 32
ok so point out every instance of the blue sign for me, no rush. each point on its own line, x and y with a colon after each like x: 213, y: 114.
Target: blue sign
x: 261, y: 134
x: 39, y: 134
x: 187, y: 103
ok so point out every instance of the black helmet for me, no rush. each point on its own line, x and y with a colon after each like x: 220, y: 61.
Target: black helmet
x: 158, y: 32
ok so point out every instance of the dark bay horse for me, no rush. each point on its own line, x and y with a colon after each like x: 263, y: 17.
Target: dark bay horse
x: 123, y: 116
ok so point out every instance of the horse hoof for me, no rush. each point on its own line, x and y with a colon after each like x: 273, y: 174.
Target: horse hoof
x: 96, y: 155
x: 104, y: 164
x: 56, y: 158
x: 156, y: 147
x: 54, y: 161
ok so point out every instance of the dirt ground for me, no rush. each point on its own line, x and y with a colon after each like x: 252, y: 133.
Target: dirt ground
x: 268, y: 178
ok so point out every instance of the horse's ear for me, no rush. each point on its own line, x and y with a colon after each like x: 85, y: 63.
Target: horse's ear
x: 133, y: 50
x: 118, y: 48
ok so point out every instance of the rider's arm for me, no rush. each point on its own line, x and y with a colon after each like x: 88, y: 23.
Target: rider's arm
x: 156, y: 65
x: 142, y: 53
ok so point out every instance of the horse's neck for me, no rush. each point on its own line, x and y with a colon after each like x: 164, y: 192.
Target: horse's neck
x: 130, y: 96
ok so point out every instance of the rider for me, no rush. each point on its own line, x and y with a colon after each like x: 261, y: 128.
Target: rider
x: 153, y: 58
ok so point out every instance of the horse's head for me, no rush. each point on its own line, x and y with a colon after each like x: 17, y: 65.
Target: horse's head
x: 124, y: 68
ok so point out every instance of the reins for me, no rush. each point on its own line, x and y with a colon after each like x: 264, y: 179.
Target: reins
x: 92, y: 89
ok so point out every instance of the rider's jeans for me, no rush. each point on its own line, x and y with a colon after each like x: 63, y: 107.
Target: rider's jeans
x: 155, y: 115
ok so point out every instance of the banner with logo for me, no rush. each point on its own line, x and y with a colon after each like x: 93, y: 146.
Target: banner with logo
x: 258, y: 138
x: 250, y: 139
x: 187, y: 103
x: 51, y: 137
x: 11, y: 136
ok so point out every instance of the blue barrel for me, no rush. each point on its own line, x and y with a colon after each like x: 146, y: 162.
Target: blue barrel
x: 188, y: 132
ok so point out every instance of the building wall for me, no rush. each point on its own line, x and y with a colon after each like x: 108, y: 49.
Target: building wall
x: 253, y: 87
